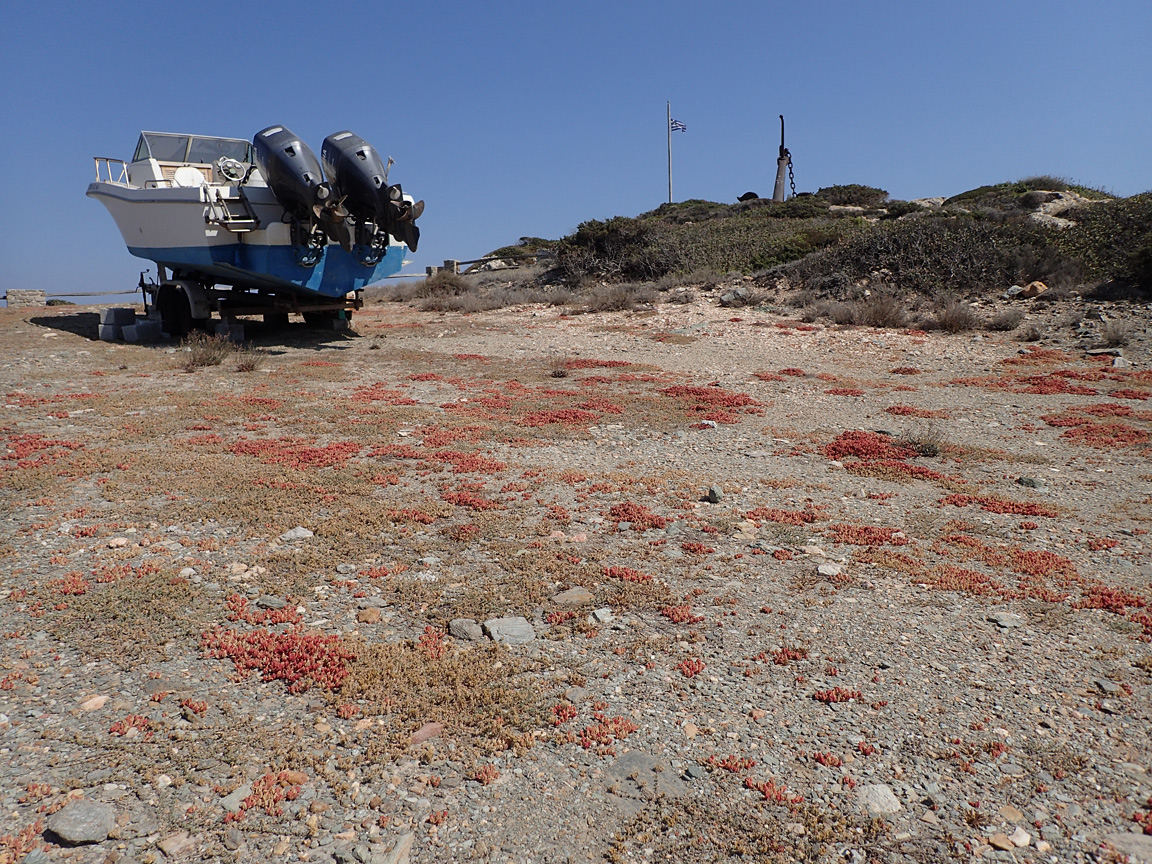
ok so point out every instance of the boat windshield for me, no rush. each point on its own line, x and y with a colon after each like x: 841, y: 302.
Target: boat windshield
x: 164, y: 147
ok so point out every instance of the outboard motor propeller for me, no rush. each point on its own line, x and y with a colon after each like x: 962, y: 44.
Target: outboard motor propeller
x: 293, y: 173
x: 358, y: 172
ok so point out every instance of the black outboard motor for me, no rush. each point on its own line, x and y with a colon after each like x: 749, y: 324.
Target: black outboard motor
x: 354, y: 166
x: 293, y: 173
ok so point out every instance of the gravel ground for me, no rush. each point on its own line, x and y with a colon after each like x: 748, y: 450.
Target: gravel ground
x: 777, y: 591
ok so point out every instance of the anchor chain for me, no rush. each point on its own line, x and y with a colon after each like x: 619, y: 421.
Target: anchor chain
x: 791, y: 179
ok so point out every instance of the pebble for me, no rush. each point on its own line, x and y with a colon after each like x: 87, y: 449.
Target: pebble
x: 512, y: 630
x: 575, y: 596
x: 877, y: 799
x: 297, y: 533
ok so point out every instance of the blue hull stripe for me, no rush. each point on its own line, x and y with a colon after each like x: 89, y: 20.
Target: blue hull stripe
x: 275, y: 267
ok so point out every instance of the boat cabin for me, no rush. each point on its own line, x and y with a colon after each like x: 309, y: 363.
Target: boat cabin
x: 163, y: 159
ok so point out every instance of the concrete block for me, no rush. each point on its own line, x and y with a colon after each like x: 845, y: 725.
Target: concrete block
x: 118, y: 316
x: 128, y: 331
x: 109, y: 333
x: 146, y: 330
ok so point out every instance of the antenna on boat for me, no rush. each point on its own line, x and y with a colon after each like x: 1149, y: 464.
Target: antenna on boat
x: 388, y: 168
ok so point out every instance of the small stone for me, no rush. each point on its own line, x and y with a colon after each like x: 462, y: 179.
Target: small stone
x: 94, y: 703
x: 1020, y: 837
x: 715, y: 494
x: 690, y: 729
x: 1120, y: 363
x: 1032, y: 482
x: 695, y: 772
x: 1005, y: 620
x: 266, y: 602
x: 368, y: 616
x: 162, y: 781
x: 1001, y: 841
x: 603, y: 616
x: 117, y: 542
x: 233, y: 801
x: 281, y: 846
x: 512, y: 630
x: 465, y: 628
x: 930, y: 818
x: 1106, y: 686
x: 878, y: 799
x: 177, y: 844
x: 401, y: 851
x: 758, y: 714
x: 1011, y: 769
x: 426, y: 732
x: 1010, y: 814
x: 813, y: 550
x: 233, y: 839
x: 297, y: 533
x: 83, y: 821
x: 574, y: 596
x: 829, y: 570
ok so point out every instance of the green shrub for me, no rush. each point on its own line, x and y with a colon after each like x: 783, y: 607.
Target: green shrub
x: 1113, y: 239
x: 853, y: 195
x: 645, y: 249
x: 896, y: 209
x: 938, y: 254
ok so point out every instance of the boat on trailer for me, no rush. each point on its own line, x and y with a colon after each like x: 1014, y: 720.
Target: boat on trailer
x: 242, y: 228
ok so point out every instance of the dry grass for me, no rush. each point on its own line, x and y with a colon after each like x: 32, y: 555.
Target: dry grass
x: 483, y: 696
x: 957, y: 317
x: 204, y: 350
x: 1004, y: 321
x: 1116, y: 333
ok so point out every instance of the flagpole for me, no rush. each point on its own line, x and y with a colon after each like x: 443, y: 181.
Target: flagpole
x: 669, y: 151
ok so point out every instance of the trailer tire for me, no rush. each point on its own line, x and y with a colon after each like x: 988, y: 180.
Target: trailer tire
x: 176, y: 312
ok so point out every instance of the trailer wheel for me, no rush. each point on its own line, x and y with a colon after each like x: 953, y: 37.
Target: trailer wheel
x: 329, y: 320
x: 176, y: 312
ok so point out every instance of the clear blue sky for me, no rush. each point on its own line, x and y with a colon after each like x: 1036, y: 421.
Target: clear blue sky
x: 526, y: 118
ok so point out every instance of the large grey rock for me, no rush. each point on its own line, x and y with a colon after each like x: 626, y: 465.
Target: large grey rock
x: 83, y: 821
x: 878, y: 800
x: 465, y: 628
x: 511, y: 631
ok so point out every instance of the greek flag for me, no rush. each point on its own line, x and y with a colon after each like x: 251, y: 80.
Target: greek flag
x: 677, y: 126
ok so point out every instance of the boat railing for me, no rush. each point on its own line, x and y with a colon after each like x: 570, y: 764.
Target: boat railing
x: 109, y: 170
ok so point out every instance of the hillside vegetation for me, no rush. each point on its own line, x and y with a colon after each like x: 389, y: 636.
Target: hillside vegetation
x: 979, y: 241
x: 835, y: 249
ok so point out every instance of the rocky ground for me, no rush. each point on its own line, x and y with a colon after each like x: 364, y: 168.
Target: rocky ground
x: 683, y: 584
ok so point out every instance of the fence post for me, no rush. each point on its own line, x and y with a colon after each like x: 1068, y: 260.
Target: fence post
x: 451, y: 265
x: 431, y: 271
